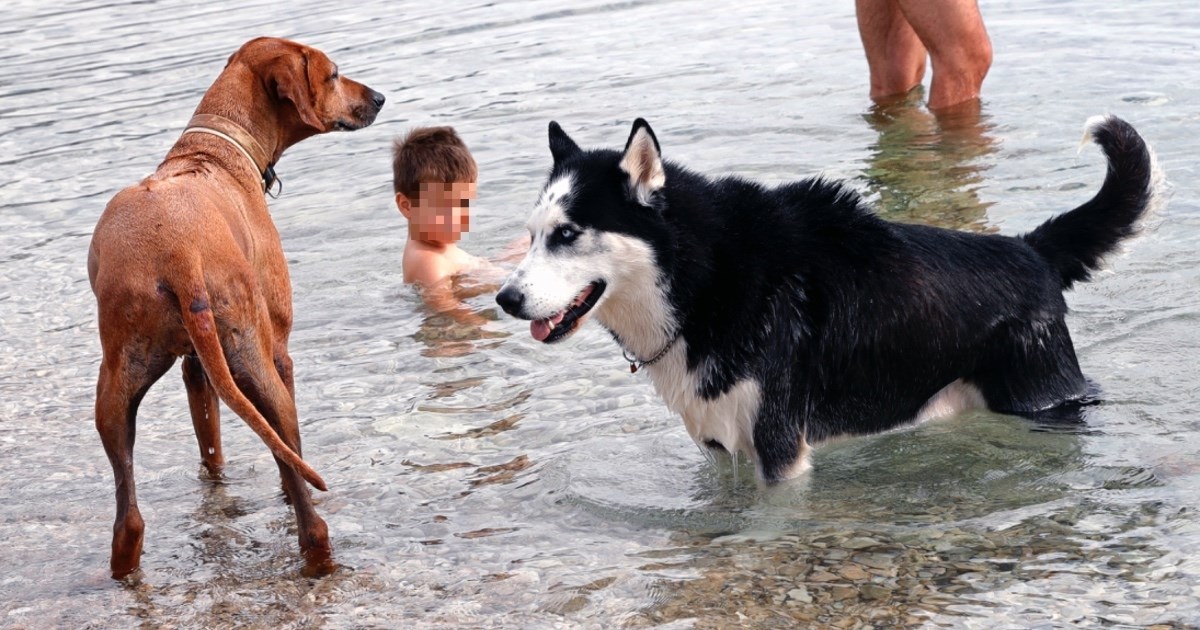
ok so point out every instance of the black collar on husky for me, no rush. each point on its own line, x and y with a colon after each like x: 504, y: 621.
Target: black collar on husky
x: 635, y: 364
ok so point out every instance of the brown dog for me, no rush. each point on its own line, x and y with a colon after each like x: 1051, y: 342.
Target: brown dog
x: 188, y: 264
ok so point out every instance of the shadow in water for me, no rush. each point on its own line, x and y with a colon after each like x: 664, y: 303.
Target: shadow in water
x: 222, y: 541
x: 927, y: 168
x: 234, y: 564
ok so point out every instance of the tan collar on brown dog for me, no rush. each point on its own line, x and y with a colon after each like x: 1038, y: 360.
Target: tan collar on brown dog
x: 234, y: 134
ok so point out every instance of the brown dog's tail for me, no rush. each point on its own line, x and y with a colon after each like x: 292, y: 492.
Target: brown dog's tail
x: 198, y: 319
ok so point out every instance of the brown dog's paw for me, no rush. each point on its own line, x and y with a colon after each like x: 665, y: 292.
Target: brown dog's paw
x: 212, y: 472
x: 319, y: 568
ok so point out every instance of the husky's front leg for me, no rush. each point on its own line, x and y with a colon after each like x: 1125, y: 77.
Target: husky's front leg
x: 780, y: 438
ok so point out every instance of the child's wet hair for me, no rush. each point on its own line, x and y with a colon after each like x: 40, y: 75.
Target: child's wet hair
x: 430, y: 154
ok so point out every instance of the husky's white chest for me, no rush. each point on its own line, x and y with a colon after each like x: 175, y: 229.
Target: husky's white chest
x: 727, y: 419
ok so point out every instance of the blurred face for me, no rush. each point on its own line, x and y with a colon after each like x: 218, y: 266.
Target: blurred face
x: 441, y: 211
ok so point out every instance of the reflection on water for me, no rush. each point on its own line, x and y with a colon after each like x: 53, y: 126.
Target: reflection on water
x: 458, y: 331
x: 963, y: 468
x: 1039, y: 568
x: 897, y: 528
x: 928, y: 168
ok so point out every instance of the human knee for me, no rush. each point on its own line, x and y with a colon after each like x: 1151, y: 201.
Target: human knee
x: 966, y: 64
x: 978, y: 56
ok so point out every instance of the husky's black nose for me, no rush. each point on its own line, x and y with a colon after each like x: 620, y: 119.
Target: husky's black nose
x: 511, y: 300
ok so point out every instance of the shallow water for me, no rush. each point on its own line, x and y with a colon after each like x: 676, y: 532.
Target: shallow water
x: 479, y: 479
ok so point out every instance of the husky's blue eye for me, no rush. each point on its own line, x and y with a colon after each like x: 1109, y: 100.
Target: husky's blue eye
x: 562, y: 236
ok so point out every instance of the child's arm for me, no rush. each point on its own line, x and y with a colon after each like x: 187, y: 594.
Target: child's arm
x: 440, y: 297
x: 431, y: 274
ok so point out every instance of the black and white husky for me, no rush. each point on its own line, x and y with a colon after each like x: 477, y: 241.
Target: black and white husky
x: 773, y: 319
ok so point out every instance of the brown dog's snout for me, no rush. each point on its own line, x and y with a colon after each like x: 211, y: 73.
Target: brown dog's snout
x: 375, y: 103
x: 376, y: 98
x: 365, y: 110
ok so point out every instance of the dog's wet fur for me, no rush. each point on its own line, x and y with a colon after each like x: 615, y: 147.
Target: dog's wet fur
x: 775, y: 318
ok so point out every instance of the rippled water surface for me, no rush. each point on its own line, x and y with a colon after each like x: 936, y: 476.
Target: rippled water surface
x: 479, y: 479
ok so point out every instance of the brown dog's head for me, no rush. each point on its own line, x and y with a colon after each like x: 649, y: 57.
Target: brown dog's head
x: 321, y: 97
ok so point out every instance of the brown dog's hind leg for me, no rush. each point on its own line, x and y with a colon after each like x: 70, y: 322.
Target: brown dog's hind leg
x: 206, y: 418
x: 259, y: 378
x: 283, y: 365
x: 119, y: 391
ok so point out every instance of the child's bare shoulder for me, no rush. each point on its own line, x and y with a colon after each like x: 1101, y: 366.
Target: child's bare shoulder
x: 425, y: 267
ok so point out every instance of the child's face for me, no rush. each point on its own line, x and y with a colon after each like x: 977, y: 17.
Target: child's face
x: 441, y: 211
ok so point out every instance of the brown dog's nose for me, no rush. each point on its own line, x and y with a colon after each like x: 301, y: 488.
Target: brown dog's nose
x: 377, y: 99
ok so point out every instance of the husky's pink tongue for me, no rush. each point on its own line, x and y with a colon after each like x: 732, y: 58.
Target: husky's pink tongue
x: 541, y: 328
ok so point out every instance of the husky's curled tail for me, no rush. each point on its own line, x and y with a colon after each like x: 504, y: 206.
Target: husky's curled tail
x: 1076, y: 242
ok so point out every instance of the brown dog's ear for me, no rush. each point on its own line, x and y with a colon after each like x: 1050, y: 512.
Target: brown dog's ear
x: 288, y: 74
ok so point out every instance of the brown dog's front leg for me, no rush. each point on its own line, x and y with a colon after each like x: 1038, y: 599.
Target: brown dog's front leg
x: 206, y: 418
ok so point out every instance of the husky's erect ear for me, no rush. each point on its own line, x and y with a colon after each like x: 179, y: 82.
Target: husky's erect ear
x: 643, y: 162
x: 561, y: 145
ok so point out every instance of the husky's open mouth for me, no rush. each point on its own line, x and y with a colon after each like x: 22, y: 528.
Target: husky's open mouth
x: 562, y: 324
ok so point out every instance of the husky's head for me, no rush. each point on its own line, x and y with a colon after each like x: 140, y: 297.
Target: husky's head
x: 596, y: 233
